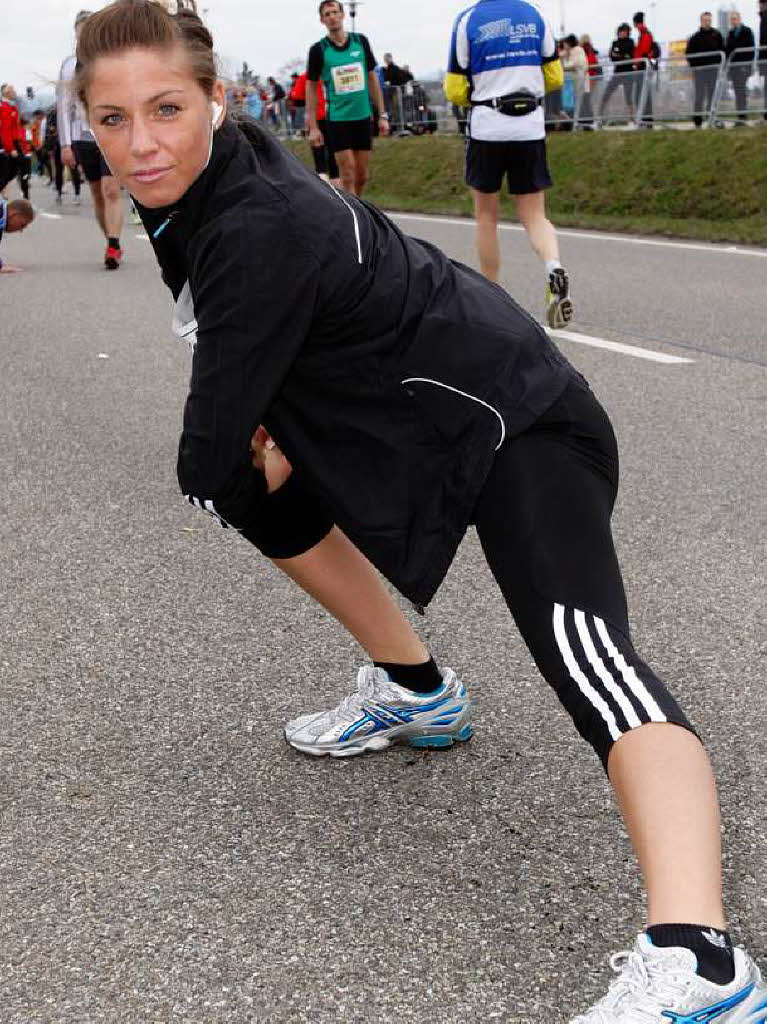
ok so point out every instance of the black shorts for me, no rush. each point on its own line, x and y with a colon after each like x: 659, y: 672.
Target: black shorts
x: 487, y: 163
x: 356, y: 135
x: 88, y: 156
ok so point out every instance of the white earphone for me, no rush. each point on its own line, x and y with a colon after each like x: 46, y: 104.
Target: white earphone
x: 216, y: 112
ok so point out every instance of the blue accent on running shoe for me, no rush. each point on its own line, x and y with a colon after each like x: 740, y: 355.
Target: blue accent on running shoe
x: 381, y: 715
x: 422, y: 742
x: 365, y: 720
x: 431, y: 741
x: 710, y: 1013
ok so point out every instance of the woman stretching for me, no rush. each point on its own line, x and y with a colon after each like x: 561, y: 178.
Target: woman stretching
x: 358, y: 398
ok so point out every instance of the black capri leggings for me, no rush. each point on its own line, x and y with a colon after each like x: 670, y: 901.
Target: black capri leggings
x: 543, y: 520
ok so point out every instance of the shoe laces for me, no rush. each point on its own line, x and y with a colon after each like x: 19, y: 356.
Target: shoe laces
x: 367, y: 684
x: 642, y: 989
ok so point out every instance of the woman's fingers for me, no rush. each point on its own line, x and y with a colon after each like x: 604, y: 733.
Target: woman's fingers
x: 277, y: 469
x: 269, y: 460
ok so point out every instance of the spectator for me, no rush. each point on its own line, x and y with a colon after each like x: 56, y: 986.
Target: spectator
x: 740, y: 52
x: 276, y: 98
x: 763, y: 51
x: 594, y: 74
x: 393, y: 75
x: 622, y: 56
x: 11, y: 137
x: 646, y: 49
x: 575, y: 61
x: 14, y: 216
x: 704, y: 54
x: 297, y: 103
x: 407, y: 74
x: 253, y: 104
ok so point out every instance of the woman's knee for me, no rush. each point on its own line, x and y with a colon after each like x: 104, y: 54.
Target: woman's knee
x: 603, y: 683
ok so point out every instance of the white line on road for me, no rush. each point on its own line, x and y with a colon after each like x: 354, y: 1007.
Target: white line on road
x: 618, y: 346
x: 582, y: 339
x: 465, y: 222
x: 143, y: 237
x: 51, y: 216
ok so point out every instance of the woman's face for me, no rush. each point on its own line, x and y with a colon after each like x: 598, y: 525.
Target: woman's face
x: 152, y: 121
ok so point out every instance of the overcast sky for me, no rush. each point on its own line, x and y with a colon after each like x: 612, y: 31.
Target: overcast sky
x: 37, y: 34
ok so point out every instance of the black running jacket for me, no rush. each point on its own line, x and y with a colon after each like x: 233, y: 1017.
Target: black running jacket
x: 387, y: 374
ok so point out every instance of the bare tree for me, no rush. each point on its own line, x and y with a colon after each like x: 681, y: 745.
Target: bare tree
x: 297, y: 64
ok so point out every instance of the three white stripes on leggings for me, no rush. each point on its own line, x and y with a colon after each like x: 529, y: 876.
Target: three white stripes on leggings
x: 627, y: 673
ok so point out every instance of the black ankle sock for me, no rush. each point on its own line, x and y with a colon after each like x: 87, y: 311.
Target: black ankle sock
x: 114, y: 242
x: 418, y: 678
x: 712, y: 947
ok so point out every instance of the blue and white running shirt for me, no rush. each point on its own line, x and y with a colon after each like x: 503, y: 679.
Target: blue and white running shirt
x: 500, y: 46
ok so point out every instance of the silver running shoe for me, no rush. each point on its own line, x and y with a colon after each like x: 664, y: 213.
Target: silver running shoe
x: 559, y: 305
x: 661, y: 985
x: 380, y: 712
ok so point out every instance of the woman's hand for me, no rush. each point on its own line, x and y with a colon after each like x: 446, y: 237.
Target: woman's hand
x: 268, y: 458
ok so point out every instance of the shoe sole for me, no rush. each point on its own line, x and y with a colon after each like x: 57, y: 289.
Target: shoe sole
x: 560, y: 313
x: 111, y: 264
x: 378, y: 743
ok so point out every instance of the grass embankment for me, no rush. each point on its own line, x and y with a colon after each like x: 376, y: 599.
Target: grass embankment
x: 705, y: 185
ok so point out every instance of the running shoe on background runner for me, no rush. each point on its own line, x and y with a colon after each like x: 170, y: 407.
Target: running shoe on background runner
x: 559, y: 305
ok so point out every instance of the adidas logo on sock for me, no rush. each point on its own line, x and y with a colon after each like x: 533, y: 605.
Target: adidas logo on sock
x: 714, y: 939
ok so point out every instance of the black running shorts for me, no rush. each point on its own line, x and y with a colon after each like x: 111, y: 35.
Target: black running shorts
x: 88, y: 156
x: 523, y: 163
x: 355, y: 135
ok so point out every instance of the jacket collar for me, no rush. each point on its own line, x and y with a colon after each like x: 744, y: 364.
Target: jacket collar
x: 170, y: 227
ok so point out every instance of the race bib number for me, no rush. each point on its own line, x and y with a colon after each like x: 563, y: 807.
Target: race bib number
x: 348, y: 78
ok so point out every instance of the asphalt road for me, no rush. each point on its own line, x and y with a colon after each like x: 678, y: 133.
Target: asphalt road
x: 165, y: 857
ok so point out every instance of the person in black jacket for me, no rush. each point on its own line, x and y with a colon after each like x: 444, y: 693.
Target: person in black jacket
x: 703, y: 55
x: 355, y: 393
x: 622, y: 55
x: 740, y: 50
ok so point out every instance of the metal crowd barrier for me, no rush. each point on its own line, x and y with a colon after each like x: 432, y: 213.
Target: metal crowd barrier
x: 410, y: 110
x: 743, y: 87
x: 621, y: 92
x: 634, y: 92
x: 680, y: 92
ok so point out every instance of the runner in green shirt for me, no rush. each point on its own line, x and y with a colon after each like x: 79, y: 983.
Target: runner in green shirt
x: 345, y: 63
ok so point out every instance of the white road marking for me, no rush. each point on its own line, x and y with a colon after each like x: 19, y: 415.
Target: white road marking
x: 581, y: 339
x: 50, y: 216
x: 466, y: 222
x: 618, y: 346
